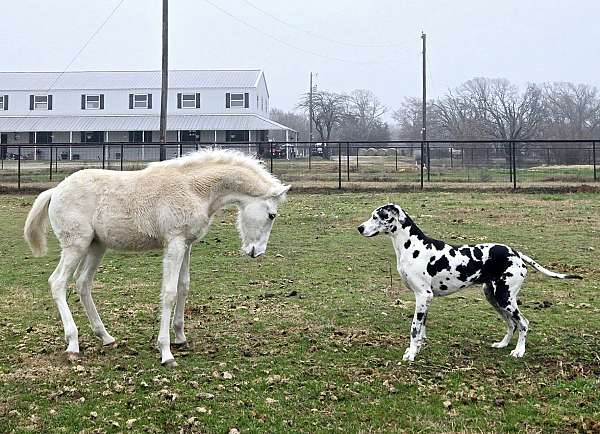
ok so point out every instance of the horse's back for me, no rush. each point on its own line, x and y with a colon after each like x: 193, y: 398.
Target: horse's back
x: 102, y: 205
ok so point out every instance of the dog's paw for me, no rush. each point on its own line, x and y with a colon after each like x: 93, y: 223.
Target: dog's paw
x: 500, y: 344
x: 409, y: 355
x: 517, y: 352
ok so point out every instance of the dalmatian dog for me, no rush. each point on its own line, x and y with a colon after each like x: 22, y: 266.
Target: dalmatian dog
x: 431, y: 268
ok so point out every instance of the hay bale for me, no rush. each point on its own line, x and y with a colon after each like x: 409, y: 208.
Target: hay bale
x: 390, y: 152
x: 371, y: 152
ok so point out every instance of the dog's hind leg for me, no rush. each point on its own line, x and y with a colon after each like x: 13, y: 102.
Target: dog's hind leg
x: 523, y: 324
x: 488, y: 289
x: 422, y: 301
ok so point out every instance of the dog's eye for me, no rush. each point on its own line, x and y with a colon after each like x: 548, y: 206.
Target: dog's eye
x: 272, y: 216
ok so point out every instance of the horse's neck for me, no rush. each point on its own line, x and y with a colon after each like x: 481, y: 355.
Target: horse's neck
x: 223, y: 186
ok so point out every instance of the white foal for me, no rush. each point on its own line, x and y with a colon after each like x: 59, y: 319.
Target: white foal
x: 168, y: 205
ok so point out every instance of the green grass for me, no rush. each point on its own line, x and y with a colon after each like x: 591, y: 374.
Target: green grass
x: 313, y: 333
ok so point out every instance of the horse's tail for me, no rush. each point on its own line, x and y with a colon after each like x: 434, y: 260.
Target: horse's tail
x: 547, y: 272
x: 36, y: 224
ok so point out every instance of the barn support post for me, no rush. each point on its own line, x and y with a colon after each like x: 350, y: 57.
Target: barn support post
x: 19, y: 167
x: 50, y: 163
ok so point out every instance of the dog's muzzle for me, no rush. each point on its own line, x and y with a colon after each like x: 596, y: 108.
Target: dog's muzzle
x: 361, y: 230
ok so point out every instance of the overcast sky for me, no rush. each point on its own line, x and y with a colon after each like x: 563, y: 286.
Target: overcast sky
x: 350, y: 44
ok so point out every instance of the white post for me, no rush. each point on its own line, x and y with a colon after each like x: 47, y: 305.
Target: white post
x: 287, y: 142
x: 143, y: 141
x: 215, y: 136
x: 70, y: 145
x: 35, y: 147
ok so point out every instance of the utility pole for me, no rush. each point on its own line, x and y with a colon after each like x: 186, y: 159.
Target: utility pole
x: 310, y: 120
x: 424, y: 127
x: 165, y: 79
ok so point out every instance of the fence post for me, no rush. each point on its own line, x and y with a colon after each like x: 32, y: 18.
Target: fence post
x: 428, y: 162
x: 50, y: 163
x: 396, y: 149
x: 103, y: 156
x: 309, y: 153
x: 422, y: 162
x: 594, y: 158
x: 548, y: 156
x: 121, y: 157
x: 180, y: 149
x: 356, y: 159
x: 348, y: 159
x: 451, y: 160
x: 271, y: 154
x: 514, y: 162
x: 339, y: 165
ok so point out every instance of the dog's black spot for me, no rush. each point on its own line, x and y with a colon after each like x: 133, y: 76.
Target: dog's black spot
x: 420, y: 316
x: 415, y: 253
x: 407, y: 244
x: 465, y: 251
x: 382, y: 214
x: 438, y: 266
x: 452, y: 252
x: 443, y: 287
x: 477, y: 253
x: 414, y: 332
x: 393, y: 229
x: 468, y: 270
x: 432, y: 259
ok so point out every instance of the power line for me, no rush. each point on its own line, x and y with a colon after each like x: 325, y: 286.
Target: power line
x: 319, y: 36
x: 295, y: 47
x: 86, y: 43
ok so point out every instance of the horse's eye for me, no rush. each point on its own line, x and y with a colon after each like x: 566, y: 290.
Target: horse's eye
x: 272, y: 216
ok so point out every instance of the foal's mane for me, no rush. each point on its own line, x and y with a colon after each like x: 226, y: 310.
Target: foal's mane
x: 219, y: 156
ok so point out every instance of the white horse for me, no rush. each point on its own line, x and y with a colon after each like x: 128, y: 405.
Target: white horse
x: 167, y: 205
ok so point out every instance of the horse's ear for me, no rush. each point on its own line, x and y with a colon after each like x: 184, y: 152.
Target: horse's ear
x: 280, y: 193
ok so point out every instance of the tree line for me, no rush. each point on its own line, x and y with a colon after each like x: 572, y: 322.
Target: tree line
x: 479, y: 109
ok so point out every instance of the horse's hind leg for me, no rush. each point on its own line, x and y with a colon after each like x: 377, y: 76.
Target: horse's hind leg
x: 183, y: 287
x: 70, y: 257
x: 84, y: 277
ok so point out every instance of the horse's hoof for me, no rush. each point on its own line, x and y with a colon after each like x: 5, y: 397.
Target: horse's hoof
x: 171, y: 363
x: 180, y: 345
x: 72, y: 356
x: 111, y: 346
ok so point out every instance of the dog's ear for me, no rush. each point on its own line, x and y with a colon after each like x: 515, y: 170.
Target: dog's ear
x: 388, y: 212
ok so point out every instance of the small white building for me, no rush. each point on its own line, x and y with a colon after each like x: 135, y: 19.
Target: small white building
x: 93, y: 107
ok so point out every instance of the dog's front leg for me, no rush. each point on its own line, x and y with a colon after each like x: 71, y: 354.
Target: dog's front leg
x: 418, y: 325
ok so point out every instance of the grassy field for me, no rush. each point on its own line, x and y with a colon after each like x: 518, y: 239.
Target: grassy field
x: 310, y: 338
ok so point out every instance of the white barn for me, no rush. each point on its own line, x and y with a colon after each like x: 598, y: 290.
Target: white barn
x: 92, y: 107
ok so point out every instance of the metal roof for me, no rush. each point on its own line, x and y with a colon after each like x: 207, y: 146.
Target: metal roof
x: 137, y: 123
x: 93, y: 80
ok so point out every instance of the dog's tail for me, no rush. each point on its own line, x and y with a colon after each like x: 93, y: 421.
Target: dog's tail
x: 36, y: 224
x: 547, y: 272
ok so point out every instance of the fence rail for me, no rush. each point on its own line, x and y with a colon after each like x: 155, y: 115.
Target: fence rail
x: 333, y: 164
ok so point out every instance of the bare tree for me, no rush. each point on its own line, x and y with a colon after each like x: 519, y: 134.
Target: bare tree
x: 364, y: 117
x: 296, y: 121
x: 573, y: 111
x: 329, y: 111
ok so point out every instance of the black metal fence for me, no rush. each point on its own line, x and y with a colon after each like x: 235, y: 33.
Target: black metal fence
x: 333, y: 164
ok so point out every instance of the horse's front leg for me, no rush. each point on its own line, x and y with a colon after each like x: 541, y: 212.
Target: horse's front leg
x: 172, y: 261
x: 183, y: 288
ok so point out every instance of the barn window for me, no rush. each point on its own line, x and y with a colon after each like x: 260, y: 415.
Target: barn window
x: 140, y: 101
x: 237, y: 100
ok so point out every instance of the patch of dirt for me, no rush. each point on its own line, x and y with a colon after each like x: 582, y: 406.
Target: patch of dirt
x: 38, y: 366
